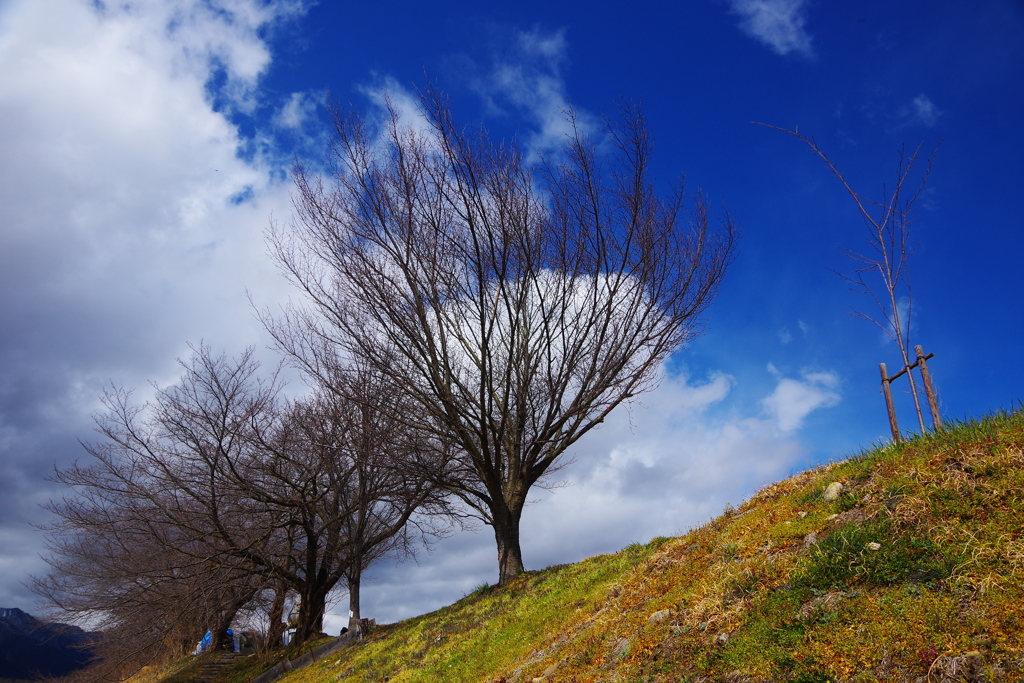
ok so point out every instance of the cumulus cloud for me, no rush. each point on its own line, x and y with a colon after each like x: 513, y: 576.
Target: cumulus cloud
x: 794, y: 399
x: 779, y: 24
x: 298, y: 110
x: 132, y: 223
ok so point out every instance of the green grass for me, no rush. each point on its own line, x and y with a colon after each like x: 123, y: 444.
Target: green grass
x: 490, y: 629
x: 749, y: 596
x: 874, y: 553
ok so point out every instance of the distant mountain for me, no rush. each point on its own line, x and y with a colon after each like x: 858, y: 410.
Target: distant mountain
x: 30, y: 648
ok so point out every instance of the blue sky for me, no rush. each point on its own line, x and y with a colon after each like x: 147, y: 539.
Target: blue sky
x: 147, y: 144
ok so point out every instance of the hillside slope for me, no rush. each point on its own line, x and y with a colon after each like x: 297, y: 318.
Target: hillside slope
x: 902, y: 564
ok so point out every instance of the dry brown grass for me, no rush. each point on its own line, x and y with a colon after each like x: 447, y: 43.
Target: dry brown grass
x: 914, y: 573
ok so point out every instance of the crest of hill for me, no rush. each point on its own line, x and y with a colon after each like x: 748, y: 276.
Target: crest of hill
x: 910, y: 569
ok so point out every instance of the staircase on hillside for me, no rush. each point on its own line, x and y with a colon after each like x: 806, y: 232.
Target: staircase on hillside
x: 213, y: 668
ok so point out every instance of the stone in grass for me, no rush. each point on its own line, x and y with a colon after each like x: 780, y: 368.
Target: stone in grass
x: 833, y: 491
x: 661, y: 615
x: 620, y: 649
x: 822, y: 604
x: 548, y: 675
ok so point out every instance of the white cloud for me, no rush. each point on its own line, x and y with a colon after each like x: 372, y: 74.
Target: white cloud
x: 887, y: 325
x: 923, y: 110
x: 386, y: 92
x: 669, y: 463
x: 131, y: 223
x: 919, y: 111
x: 118, y: 175
x: 793, y: 400
x: 779, y: 24
x: 386, y: 96
x: 531, y: 83
x: 298, y: 110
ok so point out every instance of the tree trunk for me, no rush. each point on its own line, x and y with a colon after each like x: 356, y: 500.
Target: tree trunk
x: 275, y: 631
x: 311, y: 615
x: 506, y: 533
x: 220, y: 641
x: 353, y: 599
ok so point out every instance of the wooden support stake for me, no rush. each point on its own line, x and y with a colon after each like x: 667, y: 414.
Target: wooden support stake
x: 887, y: 390
x: 929, y: 391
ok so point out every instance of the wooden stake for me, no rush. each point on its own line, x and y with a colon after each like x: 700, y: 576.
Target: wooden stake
x: 929, y: 391
x: 888, y: 402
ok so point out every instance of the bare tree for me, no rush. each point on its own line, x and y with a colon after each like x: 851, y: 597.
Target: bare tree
x: 114, y: 568
x: 888, y: 221
x: 389, y: 509
x: 515, y: 305
x: 218, y: 479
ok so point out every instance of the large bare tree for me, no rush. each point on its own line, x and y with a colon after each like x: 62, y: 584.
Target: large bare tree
x: 515, y: 304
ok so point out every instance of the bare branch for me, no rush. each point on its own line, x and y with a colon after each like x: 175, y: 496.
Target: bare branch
x: 888, y: 221
x: 513, y: 306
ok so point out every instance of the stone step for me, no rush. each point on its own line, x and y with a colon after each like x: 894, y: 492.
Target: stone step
x: 211, y: 670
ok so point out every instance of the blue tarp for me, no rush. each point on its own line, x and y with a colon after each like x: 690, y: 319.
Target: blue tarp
x: 204, y: 644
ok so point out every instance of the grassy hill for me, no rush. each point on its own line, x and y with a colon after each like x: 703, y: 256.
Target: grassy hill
x: 904, y: 563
